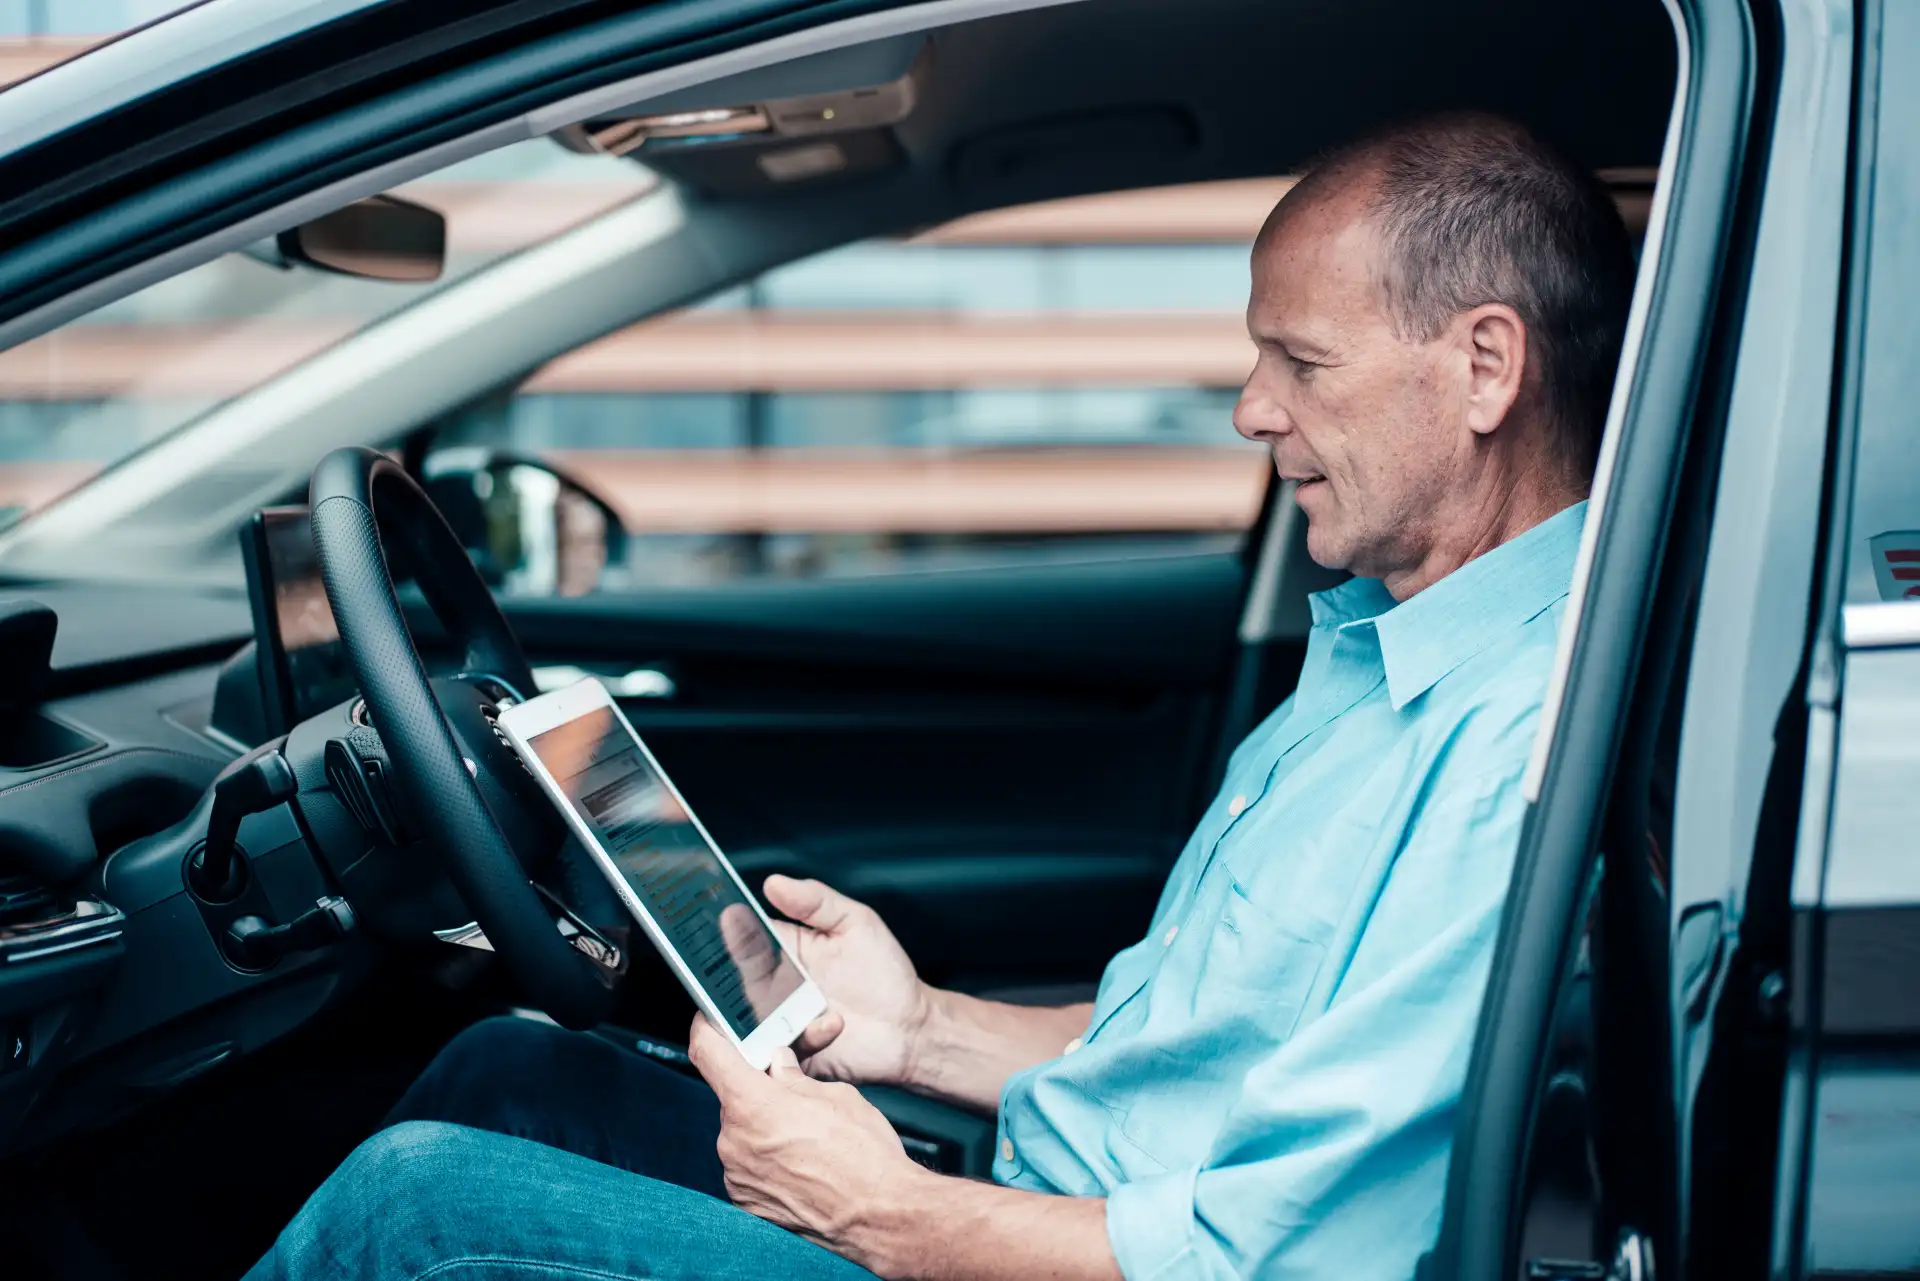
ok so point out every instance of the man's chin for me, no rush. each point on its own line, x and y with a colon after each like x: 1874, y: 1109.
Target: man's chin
x: 1324, y: 544
x: 1323, y: 549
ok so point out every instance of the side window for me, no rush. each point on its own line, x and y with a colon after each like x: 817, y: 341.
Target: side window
x: 1042, y: 382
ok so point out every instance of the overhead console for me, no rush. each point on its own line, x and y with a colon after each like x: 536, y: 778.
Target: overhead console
x: 814, y: 119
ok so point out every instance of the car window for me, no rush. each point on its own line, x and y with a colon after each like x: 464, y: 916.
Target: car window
x: 79, y: 18
x: 1884, y: 544
x: 1056, y: 381
x: 112, y: 382
x: 35, y: 34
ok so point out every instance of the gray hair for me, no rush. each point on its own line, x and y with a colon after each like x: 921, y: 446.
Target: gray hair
x: 1474, y: 209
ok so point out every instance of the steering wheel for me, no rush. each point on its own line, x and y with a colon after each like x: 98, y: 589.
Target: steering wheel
x: 477, y: 806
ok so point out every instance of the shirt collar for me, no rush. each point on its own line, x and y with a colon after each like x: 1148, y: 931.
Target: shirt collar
x: 1427, y: 636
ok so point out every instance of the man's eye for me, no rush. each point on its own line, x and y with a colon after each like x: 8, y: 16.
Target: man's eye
x: 1300, y: 364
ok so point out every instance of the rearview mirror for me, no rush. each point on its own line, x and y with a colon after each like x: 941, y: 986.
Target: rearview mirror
x: 530, y: 529
x: 379, y: 238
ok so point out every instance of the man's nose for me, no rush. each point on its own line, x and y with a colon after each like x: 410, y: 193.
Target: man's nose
x: 1258, y: 415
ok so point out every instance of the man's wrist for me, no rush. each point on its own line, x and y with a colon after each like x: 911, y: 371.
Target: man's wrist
x: 919, y: 1034
x: 892, y: 1236
x: 934, y: 1227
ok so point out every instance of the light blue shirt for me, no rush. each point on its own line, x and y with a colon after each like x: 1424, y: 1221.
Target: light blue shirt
x: 1269, y: 1082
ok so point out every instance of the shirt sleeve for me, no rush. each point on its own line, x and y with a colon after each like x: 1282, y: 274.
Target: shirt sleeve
x: 1333, y: 1161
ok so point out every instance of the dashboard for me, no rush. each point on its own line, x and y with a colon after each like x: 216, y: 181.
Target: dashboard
x: 112, y: 983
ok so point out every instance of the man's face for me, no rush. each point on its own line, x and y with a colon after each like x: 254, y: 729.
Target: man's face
x: 1368, y: 423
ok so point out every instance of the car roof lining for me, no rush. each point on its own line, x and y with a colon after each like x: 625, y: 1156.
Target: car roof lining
x: 1268, y: 88
x: 1259, y: 90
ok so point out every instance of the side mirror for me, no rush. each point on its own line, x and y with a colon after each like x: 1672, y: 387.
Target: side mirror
x: 531, y: 530
x: 379, y: 238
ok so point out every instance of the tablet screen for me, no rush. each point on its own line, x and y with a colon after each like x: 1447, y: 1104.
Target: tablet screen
x: 692, y: 896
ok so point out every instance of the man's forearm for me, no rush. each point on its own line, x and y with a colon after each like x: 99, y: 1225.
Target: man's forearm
x: 946, y: 1229
x: 966, y: 1048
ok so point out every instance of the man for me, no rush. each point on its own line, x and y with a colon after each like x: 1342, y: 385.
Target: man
x: 1266, y: 1084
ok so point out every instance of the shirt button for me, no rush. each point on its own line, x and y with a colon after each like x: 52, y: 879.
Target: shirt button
x: 1172, y: 930
x: 1236, y: 807
x: 1006, y: 1149
x: 1074, y: 1044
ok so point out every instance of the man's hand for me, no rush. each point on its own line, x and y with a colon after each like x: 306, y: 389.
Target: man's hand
x: 819, y: 1160
x: 876, y: 1003
x: 883, y: 1026
x: 813, y: 1157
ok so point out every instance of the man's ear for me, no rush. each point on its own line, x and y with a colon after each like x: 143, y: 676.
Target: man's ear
x: 1495, y: 342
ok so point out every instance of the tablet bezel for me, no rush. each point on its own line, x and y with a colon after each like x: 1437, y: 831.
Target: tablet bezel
x: 523, y: 722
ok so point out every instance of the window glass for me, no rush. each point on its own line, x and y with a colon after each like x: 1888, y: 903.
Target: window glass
x: 1055, y: 382
x: 79, y: 17
x: 1884, y: 547
x: 105, y: 385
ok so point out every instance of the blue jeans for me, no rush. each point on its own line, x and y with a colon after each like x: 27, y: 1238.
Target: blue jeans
x: 527, y: 1152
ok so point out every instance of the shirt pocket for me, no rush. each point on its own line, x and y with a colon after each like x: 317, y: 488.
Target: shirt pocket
x: 1310, y: 891
x: 1256, y: 972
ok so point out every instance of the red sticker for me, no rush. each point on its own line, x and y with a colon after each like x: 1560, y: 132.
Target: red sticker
x: 1896, y: 563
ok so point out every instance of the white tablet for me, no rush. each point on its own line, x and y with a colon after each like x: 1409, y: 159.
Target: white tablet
x: 666, y: 869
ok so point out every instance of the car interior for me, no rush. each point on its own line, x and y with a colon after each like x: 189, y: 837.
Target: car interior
x: 1004, y: 762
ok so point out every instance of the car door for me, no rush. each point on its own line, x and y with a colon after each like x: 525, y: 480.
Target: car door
x: 1850, y: 1002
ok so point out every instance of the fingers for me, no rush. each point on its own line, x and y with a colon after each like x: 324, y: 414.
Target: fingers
x: 783, y: 1066
x: 812, y: 903
x: 720, y: 1062
x: 820, y: 1033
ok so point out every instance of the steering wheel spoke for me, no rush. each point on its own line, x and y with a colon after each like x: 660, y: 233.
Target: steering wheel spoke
x: 576, y: 930
x: 582, y: 935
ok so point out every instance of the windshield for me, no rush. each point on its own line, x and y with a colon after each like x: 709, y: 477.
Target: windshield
x: 75, y: 401
x: 36, y: 34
